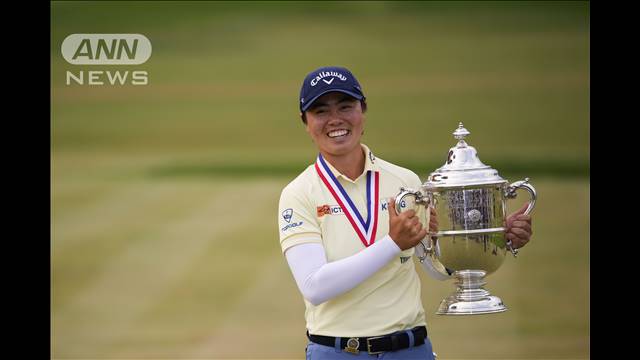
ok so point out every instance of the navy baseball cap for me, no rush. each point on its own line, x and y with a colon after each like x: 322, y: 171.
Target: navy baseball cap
x: 327, y: 79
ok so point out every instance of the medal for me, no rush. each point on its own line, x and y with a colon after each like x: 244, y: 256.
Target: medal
x: 366, y: 230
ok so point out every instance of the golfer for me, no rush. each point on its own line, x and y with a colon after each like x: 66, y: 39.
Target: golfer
x: 345, y: 244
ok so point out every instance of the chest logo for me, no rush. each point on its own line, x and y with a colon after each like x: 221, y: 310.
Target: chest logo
x: 329, y: 210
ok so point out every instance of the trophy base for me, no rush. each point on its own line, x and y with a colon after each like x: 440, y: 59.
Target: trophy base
x: 470, y: 298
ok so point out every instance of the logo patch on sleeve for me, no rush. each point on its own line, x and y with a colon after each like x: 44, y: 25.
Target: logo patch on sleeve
x: 287, y: 214
x: 291, y: 226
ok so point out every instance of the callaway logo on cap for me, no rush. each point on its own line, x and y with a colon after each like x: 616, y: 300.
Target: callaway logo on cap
x: 325, y: 80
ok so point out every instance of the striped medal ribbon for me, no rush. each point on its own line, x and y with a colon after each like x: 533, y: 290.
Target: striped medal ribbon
x: 366, y: 230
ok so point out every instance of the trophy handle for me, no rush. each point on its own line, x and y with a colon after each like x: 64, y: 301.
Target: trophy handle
x: 523, y: 184
x: 404, y: 192
x: 420, y: 199
x: 510, y: 193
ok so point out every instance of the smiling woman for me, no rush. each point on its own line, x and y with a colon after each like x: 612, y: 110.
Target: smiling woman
x: 343, y: 262
x: 340, y: 261
x: 335, y: 122
x: 333, y: 112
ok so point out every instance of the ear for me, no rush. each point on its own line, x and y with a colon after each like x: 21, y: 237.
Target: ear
x: 362, y: 109
x: 306, y: 124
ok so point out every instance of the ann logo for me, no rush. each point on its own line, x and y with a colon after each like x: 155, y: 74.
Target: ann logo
x: 106, y: 49
x: 113, y: 51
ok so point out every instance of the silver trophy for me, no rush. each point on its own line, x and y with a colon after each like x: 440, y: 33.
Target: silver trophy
x: 470, y: 202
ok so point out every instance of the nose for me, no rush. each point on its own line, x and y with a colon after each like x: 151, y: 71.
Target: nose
x: 334, y: 117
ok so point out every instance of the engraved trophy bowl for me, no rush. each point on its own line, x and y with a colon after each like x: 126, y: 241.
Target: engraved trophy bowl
x: 469, y: 198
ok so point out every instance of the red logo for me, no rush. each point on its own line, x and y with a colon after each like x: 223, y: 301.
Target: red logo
x: 323, y: 210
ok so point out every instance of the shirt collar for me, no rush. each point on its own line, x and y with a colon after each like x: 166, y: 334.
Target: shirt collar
x: 370, y: 163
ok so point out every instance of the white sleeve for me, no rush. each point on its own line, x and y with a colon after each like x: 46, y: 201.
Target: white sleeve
x: 320, y: 281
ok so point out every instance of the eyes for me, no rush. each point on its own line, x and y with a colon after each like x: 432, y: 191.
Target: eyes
x: 344, y: 107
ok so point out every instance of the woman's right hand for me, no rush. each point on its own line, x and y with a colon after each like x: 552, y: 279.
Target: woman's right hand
x: 406, y: 228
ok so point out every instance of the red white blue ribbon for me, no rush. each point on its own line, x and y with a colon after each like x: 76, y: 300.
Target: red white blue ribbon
x: 366, y: 230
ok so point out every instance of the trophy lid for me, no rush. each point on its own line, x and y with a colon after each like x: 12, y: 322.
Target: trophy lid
x: 463, y: 167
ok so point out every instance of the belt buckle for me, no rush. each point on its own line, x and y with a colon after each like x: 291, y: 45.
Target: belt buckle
x: 352, y: 346
x: 369, y: 345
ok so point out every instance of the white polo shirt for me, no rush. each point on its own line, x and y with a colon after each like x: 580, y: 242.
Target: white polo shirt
x: 386, y: 302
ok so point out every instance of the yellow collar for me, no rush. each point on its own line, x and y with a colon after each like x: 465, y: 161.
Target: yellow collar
x: 369, y: 164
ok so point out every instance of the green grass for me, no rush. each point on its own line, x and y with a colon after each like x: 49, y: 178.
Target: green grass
x: 168, y: 268
x: 164, y: 197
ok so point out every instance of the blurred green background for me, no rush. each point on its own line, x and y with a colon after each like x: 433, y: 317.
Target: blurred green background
x: 164, y: 196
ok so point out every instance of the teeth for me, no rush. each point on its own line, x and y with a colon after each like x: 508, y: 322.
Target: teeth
x: 336, y: 133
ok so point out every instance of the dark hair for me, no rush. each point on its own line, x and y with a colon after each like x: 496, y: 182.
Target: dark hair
x: 363, y: 105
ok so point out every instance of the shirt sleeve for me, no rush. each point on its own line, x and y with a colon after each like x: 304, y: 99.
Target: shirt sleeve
x: 319, y: 281
x: 297, y: 219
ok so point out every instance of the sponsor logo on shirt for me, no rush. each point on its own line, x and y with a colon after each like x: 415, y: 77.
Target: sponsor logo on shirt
x: 329, y: 210
x: 323, y: 210
x: 384, y: 204
x: 337, y: 210
x: 291, y: 226
x: 403, y: 259
x: 287, y: 214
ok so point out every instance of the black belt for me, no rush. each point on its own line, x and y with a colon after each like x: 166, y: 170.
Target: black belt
x: 374, y: 344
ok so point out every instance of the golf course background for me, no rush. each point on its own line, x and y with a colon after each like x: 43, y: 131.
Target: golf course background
x: 164, y: 196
